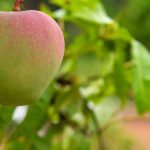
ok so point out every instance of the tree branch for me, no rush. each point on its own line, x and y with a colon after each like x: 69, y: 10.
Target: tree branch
x: 98, y: 129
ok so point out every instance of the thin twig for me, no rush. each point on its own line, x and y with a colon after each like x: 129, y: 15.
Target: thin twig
x: 98, y: 129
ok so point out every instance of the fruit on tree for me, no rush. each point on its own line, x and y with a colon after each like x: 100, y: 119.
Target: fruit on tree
x: 31, y: 51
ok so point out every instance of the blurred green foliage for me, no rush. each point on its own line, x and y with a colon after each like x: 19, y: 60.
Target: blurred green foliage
x: 132, y: 14
x: 102, y: 67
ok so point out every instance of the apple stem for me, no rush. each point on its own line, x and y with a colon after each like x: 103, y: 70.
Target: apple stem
x: 17, y: 5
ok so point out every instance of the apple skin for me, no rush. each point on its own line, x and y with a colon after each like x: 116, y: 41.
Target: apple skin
x: 31, y: 51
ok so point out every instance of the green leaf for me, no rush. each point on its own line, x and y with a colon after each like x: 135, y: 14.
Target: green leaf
x: 120, y: 80
x: 76, y: 139
x: 96, y: 14
x: 94, y: 88
x: 141, y: 76
x: 5, y: 118
x: 106, y: 108
x: 25, y: 133
x: 91, y: 11
x: 120, y: 77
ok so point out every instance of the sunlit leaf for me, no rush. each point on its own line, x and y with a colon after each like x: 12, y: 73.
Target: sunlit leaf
x: 106, y: 108
x: 141, y: 76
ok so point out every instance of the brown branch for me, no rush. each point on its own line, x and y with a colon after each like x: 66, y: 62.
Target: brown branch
x: 17, y: 5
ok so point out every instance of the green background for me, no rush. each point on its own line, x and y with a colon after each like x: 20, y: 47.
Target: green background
x: 104, y: 68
